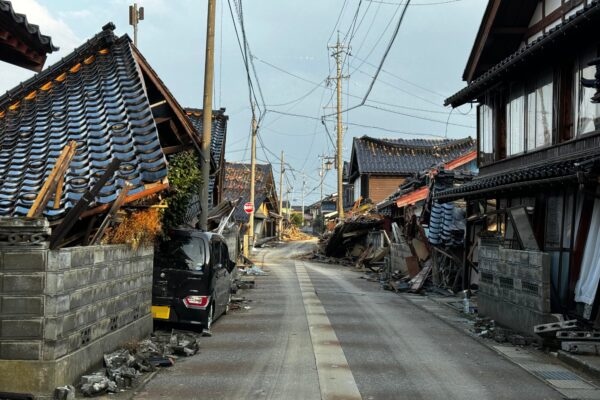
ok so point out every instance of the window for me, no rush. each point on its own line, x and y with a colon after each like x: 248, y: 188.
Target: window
x: 530, y: 115
x: 540, y: 113
x: 486, y: 133
x: 586, y: 113
x: 515, y: 120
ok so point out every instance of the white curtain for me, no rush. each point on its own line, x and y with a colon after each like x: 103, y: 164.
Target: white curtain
x: 585, y: 290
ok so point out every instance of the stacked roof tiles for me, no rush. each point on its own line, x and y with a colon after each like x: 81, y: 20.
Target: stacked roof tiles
x: 96, y: 97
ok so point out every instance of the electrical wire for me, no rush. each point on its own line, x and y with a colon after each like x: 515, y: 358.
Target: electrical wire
x: 385, y: 54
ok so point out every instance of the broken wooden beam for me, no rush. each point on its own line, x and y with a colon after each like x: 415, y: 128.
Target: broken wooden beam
x: 53, y: 181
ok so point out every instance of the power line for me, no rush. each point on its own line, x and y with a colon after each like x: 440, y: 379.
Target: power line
x: 360, y: 125
x: 385, y: 54
x: 399, y: 78
x: 415, y: 4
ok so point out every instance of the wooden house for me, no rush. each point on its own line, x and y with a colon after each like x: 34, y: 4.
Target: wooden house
x: 535, y: 213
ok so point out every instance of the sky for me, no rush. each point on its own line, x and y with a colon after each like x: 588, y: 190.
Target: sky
x: 289, y: 42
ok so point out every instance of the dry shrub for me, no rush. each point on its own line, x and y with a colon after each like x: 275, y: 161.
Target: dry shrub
x: 139, y: 228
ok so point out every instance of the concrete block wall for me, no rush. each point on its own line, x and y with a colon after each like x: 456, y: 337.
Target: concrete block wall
x: 60, y: 310
x: 55, y: 302
x: 514, y: 282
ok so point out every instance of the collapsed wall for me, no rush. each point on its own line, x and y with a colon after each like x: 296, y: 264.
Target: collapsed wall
x: 61, y: 310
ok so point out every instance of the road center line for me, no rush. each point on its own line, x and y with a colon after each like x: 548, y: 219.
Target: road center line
x: 335, y: 377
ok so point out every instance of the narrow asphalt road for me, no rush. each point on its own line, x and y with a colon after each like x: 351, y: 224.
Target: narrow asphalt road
x: 362, y: 343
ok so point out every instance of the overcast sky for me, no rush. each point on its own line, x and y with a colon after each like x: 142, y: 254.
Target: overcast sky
x: 424, y: 66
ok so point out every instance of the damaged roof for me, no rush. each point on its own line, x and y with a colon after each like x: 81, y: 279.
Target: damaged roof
x: 217, y: 140
x: 237, y: 184
x: 97, y: 96
x: 218, y: 130
x: 404, y: 156
x: 22, y: 43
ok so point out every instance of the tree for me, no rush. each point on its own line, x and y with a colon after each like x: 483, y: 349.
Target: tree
x: 297, y: 220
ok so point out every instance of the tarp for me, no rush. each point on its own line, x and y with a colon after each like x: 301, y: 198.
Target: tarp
x: 585, y: 290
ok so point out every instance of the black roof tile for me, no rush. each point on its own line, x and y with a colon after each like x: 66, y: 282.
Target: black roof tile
x: 404, y: 156
x: 95, y: 96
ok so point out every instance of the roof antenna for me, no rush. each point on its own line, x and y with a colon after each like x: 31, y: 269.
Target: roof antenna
x: 135, y: 16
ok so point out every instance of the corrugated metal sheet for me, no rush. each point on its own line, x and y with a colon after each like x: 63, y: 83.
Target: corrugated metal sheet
x: 96, y: 97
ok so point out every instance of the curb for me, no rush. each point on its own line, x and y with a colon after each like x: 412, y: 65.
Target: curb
x: 579, y: 364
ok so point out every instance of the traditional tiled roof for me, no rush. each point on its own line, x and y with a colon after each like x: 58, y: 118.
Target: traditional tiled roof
x: 527, y: 178
x: 587, y: 18
x: 404, y: 156
x: 217, y: 140
x: 237, y: 184
x: 22, y: 43
x: 96, y: 96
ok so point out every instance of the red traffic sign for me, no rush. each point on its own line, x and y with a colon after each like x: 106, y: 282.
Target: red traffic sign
x: 248, y: 207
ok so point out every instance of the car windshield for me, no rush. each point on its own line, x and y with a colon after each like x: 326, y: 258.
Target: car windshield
x: 181, y: 253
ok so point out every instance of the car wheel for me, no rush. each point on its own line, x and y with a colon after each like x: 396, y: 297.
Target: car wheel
x: 210, y: 316
x: 228, y: 304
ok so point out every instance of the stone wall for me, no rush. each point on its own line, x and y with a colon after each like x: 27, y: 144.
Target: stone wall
x: 514, y: 287
x: 60, y: 310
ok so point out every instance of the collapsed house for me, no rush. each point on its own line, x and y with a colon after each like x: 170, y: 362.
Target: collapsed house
x: 88, y: 136
x: 266, y: 205
x: 533, y: 213
x: 414, y: 170
x: 379, y: 166
x: 425, y: 232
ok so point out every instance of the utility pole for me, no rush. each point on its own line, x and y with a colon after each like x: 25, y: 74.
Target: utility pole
x: 252, y: 180
x: 135, y: 16
x: 303, y: 186
x: 338, y: 51
x: 209, y: 66
x: 281, y: 196
x: 325, y: 166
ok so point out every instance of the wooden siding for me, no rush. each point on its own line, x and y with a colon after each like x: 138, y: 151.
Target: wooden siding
x: 381, y: 187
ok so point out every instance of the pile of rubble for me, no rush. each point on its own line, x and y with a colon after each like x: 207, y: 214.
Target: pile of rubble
x: 291, y: 233
x: 569, y: 336
x: 124, y: 366
x: 487, y: 328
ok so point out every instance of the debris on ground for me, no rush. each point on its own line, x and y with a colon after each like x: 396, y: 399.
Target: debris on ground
x: 64, y: 393
x: 253, y: 270
x: 291, y: 233
x: 124, y: 366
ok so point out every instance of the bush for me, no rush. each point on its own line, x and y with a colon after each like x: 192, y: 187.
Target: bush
x: 185, y: 179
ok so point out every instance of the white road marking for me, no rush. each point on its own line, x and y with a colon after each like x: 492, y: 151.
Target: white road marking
x: 335, y: 377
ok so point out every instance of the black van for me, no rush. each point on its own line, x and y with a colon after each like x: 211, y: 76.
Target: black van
x: 192, y: 278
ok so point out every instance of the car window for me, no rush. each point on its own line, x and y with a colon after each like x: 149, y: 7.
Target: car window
x: 224, y: 254
x: 216, y: 253
x: 181, y: 253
